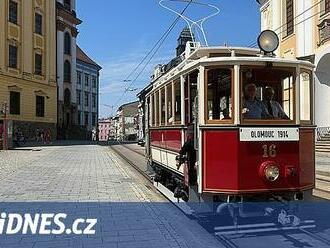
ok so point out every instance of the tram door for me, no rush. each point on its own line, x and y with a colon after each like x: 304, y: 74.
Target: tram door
x: 191, y: 121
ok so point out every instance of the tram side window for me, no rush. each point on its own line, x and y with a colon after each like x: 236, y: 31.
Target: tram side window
x: 305, y: 97
x: 219, y: 94
x: 162, y: 107
x: 268, y: 94
x: 156, y: 98
x: 169, y: 117
x: 177, y: 99
x: 150, y: 112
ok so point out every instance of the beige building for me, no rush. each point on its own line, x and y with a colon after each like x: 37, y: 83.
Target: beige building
x: 28, y: 65
x: 303, y: 27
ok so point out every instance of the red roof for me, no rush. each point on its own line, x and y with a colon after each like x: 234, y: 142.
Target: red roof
x: 82, y: 56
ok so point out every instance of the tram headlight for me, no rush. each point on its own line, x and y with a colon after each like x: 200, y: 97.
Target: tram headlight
x: 272, y: 173
x: 268, y: 41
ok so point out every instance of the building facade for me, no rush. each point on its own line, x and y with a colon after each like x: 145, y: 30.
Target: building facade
x: 126, y: 122
x: 304, y: 31
x: 28, y: 92
x: 87, y: 93
x: 67, y: 32
x: 107, y: 129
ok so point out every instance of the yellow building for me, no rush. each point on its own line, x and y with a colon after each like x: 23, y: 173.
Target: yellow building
x: 303, y: 27
x: 28, y: 66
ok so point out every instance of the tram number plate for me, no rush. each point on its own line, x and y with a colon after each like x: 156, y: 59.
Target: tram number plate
x: 269, y: 134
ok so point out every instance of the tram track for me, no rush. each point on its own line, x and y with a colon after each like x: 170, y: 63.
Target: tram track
x: 225, y: 240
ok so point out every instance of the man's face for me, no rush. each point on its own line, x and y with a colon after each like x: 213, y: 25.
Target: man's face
x: 251, y: 91
x: 269, y: 94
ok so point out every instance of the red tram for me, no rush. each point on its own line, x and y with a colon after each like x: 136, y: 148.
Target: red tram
x: 252, y: 119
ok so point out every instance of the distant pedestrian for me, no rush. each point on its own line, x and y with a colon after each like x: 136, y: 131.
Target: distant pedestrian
x: 48, y: 136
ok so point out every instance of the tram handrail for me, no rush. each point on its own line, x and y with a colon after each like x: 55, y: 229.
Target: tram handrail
x: 322, y: 132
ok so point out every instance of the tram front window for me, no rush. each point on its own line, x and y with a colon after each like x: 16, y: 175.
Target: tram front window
x: 268, y: 94
x: 219, y: 94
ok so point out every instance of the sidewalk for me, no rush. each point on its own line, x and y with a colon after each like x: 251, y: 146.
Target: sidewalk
x: 322, y: 163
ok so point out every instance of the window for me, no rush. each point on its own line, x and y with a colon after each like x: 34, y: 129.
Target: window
x: 79, y: 78
x: 93, y: 119
x: 79, y: 97
x: 67, y: 97
x: 79, y: 118
x: 152, y: 110
x: 67, y: 43
x: 170, y: 118
x: 268, y: 94
x: 15, y: 103
x: 13, y: 11
x: 86, y: 119
x: 162, y: 107
x: 86, y: 100
x: 305, y: 97
x: 38, y: 23
x: 219, y: 94
x: 67, y: 4
x: 288, y: 17
x: 94, y: 82
x: 40, y: 106
x: 326, y: 6
x: 94, y: 100
x: 67, y: 71
x: 177, y: 101
x: 156, y: 99
x: 12, y: 56
x: 38, y: 64
x: 86, y: 80
x: 288, y: 96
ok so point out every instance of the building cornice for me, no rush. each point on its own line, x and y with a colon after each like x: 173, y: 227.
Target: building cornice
x: 67, y: 15
x: 61, y: 26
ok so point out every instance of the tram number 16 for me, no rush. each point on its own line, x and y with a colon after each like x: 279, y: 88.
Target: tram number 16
x: 269, y: 151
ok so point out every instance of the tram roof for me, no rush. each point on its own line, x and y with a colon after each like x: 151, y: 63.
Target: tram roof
x: 209, y: 56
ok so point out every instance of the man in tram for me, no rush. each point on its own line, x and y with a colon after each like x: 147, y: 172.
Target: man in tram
x: 189, y: 151
x: 253, y: 108
x: 274, y: 109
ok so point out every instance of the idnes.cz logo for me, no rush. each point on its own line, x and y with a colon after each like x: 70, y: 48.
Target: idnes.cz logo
x: 45, y: 224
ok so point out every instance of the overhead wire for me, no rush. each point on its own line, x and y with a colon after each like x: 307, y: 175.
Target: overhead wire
x: 152, y: 52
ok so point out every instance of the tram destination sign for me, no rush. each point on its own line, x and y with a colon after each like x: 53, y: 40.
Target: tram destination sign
x: 269, y: 134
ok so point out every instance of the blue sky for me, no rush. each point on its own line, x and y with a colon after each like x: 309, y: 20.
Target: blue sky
x: 117, y: 35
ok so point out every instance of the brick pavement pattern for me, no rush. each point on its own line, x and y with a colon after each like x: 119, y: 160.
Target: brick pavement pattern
x: 91, y: 173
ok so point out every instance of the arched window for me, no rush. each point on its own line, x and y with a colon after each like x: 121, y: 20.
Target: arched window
x: 67, y: 4
x: 67, y: 71
x: 67, y: 97
x: 67, y: 43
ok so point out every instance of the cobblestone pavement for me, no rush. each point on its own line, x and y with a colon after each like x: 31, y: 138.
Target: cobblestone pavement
x: 136, y: 214
x: 70, y: 173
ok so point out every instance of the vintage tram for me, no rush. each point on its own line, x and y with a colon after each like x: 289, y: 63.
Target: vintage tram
x: 250, y: 114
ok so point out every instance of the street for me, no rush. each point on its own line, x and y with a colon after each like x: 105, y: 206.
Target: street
x: 66, y: 177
